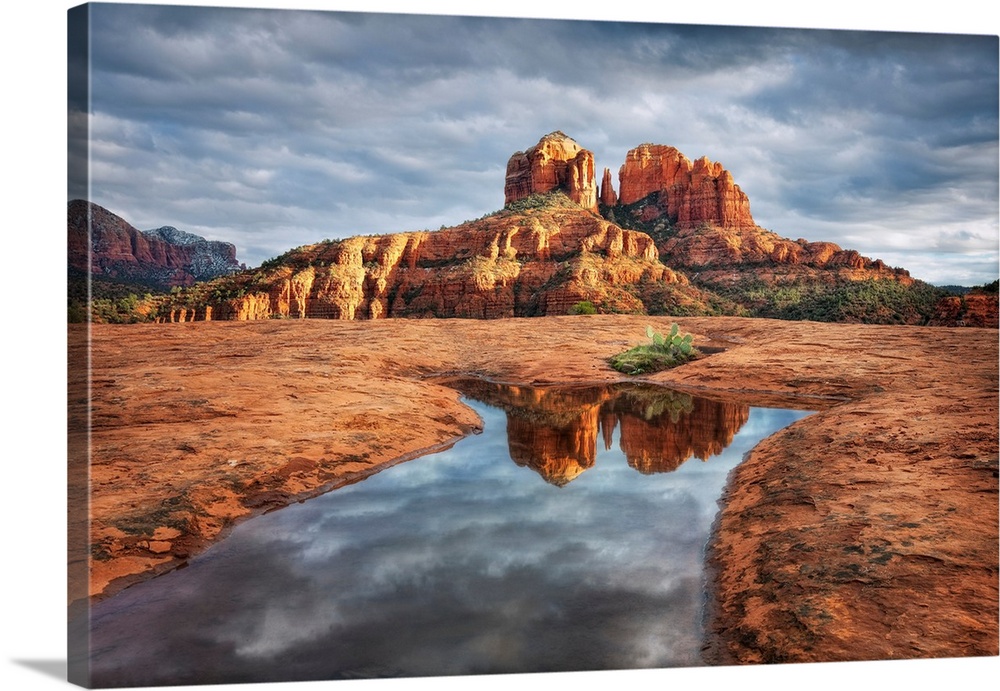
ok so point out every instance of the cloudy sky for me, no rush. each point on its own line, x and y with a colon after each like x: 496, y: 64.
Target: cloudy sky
x: 271, y: 128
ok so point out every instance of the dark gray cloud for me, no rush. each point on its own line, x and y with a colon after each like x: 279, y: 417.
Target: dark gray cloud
x: 273, y: 128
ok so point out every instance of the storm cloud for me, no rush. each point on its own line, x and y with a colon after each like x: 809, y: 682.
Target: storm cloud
x: 275, y: 128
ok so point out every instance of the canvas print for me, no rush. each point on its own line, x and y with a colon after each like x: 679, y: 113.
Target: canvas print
x: 410, y: 346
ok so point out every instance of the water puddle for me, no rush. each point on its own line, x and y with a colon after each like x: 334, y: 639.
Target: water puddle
x: 569, y: 535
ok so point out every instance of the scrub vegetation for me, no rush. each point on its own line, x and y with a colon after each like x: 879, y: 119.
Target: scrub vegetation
x: 663, y: 353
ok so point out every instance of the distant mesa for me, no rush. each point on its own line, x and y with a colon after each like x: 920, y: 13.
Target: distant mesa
x: 107, y: 246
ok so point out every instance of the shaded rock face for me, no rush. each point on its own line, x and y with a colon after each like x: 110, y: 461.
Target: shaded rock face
x: 105, y: 245
x: 555, y: 431
x: 974, y: 309
x: 689, y: 194
x: 556, y: 162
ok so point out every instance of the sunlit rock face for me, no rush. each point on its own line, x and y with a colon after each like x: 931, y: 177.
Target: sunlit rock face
x: 532, y: 263
x: 556, y: 162
x: 555, y: 431
x: 690, y: 194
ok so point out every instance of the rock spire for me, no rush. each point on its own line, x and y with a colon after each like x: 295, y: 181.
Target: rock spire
x: 556, y: 162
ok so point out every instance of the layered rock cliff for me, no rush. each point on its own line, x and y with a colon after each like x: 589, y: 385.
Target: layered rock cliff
x: 105, y: 245
x: 539, y: 261
x: 556, y: 162
x: 687, y: 194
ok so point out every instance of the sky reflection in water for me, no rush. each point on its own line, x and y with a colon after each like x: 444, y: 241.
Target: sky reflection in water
x: 462, y: 562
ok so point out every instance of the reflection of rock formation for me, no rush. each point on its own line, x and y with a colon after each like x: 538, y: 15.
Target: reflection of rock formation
x: 556, y: 453
x: 662, y: 441
x: 554, y: 431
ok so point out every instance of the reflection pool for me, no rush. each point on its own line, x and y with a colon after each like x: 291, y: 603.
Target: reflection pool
x: 569, y: 535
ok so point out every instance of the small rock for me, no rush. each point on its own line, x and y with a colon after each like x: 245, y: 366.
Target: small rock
x: 159, y: 546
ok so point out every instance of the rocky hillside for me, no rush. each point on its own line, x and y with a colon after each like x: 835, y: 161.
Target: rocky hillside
x: 677, y: 237
x: 543, y: 255
x: 701, y: 221
x: 111, y: 249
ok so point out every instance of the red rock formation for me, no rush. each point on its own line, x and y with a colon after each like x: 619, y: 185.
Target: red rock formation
x: 536, y: 262
x: 104, y: 244
x: 691, y: 194
x: 974, y: 309
x: 608, y: 196
x: 712, y: 231
x: 547, y: 259
x: 556, y: 162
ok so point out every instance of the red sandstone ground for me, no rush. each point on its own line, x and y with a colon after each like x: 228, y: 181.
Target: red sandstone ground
x: 866, y: 531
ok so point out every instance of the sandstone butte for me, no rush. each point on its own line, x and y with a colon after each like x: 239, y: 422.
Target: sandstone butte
x: 543, y: 259
x: 555, y: 162
x: 867, y: 530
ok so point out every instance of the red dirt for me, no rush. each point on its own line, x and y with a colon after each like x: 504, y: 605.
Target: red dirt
x: 866, y: 531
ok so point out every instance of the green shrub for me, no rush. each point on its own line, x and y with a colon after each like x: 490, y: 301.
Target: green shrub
x: 871, y: 301
x: 583, y: 307
x: 664, y: 352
